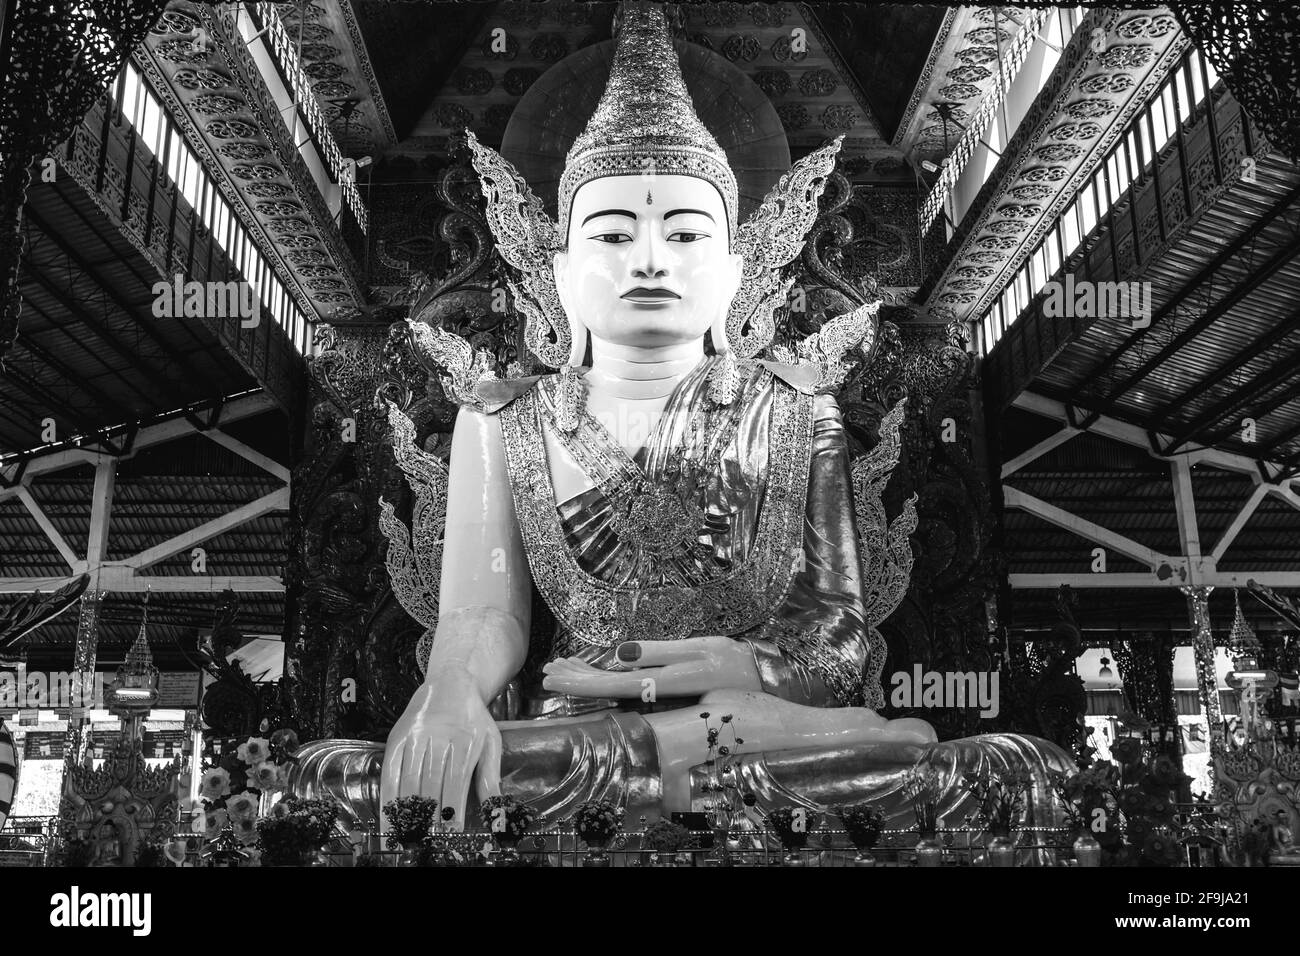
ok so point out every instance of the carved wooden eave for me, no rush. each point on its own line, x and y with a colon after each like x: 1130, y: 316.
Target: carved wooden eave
x: 961, y: 69
x: 230, y: 119
x: 334, y: 55
x: 1085, y: 107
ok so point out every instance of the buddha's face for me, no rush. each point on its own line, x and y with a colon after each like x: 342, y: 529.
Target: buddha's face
x: 647, y: 263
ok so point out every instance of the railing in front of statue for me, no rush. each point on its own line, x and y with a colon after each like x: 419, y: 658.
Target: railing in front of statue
x: 27, y: 841
x: 960, y: 846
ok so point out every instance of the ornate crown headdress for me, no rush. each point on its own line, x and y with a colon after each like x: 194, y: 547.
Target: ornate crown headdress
x: 645, y: 121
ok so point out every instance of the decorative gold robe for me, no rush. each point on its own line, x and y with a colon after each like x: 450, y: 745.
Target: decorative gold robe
x: 764, y: 549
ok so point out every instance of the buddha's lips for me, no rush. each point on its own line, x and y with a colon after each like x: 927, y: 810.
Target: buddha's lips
x: 642, y: 294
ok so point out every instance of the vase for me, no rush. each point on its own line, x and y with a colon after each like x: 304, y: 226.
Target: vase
x: 507, y: 853
x: 795, y: 856
x: 664, y: 858
x: 319, y: 857
x: 597, y: 855
x: 1087, y: 851
x: 864, y: 857
x: 929, y: 851
x: 410, y: 855
x: 1001, y: 850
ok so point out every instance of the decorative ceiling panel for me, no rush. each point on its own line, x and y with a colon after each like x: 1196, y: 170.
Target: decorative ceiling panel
x: 961, y: 70
x: 234, y: 126
x: 1095, y: 90
x: 328, y: 39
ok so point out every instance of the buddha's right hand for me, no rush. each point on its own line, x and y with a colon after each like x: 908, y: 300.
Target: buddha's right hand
x: 444, y: 741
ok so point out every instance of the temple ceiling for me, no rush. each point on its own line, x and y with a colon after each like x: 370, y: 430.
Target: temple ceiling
x: 827, y: 69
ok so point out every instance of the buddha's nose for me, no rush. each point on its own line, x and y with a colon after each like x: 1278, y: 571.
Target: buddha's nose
x: 648, y: 260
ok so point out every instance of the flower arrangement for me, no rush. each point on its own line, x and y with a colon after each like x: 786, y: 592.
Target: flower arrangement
x: 920, y: 787
x: 295, y: 829
x: 230, y: 795
x: 723, y: 778
x: 863, y: 823
x: 597, y: 822
x: 664, y: 836
x: 999, y: 797
x: 508, y: 819
x: 1127, y: 806
x: 410, y: 820
x: 791, y: 825
x: 153, y: 853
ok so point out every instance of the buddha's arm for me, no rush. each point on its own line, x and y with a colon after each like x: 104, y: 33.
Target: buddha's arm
x: 446, y: 738
x: 484, y: 598
x: 815, y: 650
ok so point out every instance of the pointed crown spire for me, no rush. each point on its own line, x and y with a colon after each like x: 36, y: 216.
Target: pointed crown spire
x: 139, y: 659
x: 645, y: 121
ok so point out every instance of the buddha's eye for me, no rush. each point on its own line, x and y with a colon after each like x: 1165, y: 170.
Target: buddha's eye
x: 688, y: 236
x: 614, y: 238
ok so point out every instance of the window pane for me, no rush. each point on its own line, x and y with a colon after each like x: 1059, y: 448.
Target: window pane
x: 223, y: 224
x: 1210, y: 73
x: 130, y: 93
x: 1160, y: 130
x: 1137, y: 146
x: 1053, y: 254
x: 1184, y: 105
x: 1198, y: 82
x: 173, y: 155
x: 1070, y: 222
x: 191, y: 179
x: 1088, y: 207
x: 151, y: 127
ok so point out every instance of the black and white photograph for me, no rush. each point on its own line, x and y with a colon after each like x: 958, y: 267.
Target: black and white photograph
x: 768, y: 436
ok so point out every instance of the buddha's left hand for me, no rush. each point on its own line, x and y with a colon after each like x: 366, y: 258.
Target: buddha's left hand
x: 685, y: 668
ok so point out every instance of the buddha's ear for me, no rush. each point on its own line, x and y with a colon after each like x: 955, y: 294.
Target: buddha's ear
x: 563, y: 292
x: 560, y: 264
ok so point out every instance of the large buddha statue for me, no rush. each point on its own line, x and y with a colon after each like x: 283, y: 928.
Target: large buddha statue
x: 682, y: 500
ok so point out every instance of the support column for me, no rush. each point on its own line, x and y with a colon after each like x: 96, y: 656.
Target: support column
x: 83, y: 676
x: 1198, y: 611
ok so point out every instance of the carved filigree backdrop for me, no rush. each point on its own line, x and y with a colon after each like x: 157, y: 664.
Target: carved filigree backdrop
x: 61, y: 55
x: 1255, y: 48
x: 1146, y: 671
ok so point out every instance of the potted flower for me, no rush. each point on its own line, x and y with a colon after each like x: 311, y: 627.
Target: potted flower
x: 295, y: 831
x: 920, y: 787
x: 791, y: 826
x: 863, y: 824
x: 234, y: 794
x: 999, y: 800
x: 508, y: 820
x: 597, y: 822
x: 410, y: 820
x: 665, y: 839
x: 1123, y: 812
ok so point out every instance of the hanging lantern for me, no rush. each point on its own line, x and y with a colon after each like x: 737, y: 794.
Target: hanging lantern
x: 8, y: 772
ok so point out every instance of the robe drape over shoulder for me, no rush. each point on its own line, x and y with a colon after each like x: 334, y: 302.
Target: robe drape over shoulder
x: 771, y: 553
